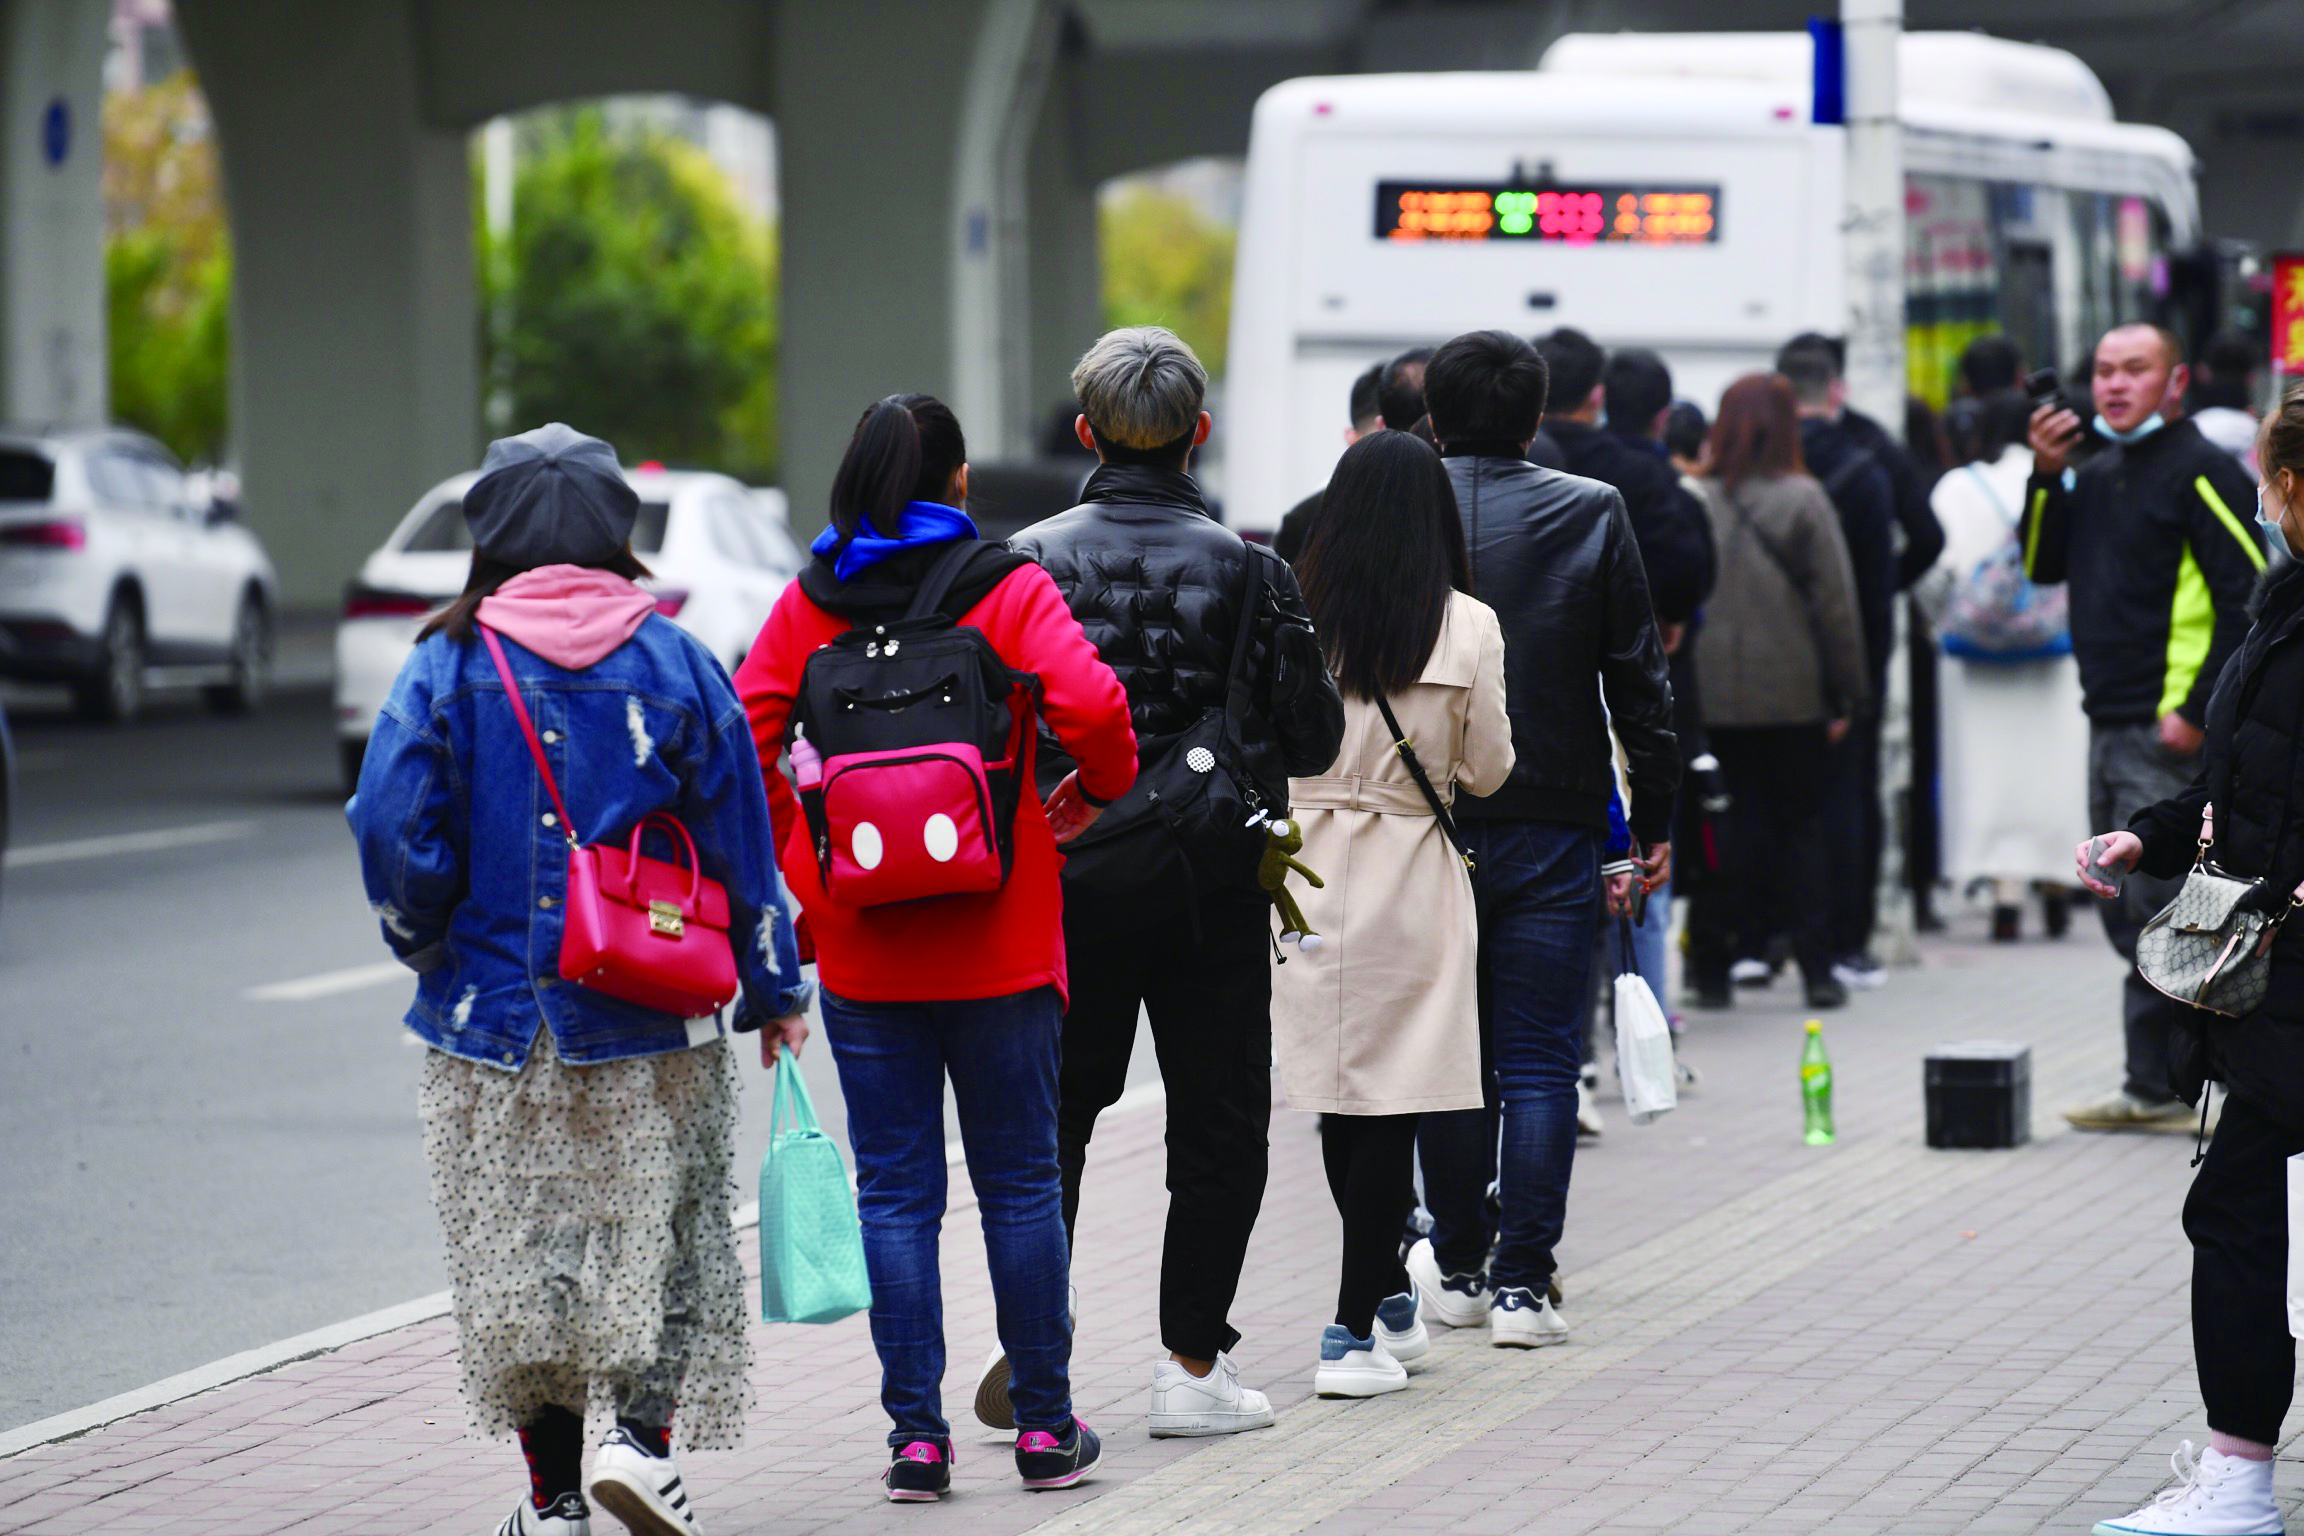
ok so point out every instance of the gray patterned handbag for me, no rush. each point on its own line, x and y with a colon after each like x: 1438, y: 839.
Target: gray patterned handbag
x: 2199, y: 950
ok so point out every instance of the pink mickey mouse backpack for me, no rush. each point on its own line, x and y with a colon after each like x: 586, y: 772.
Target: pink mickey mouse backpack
x: 911, y: 742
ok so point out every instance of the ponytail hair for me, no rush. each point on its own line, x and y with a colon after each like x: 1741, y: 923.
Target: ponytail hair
x: 905, y: 448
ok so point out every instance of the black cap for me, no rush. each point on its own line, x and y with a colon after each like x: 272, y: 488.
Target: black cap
x: 550, y: 497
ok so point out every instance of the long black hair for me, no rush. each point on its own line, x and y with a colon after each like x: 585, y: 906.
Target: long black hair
x: 905, y: 448
x: 1386, y: 550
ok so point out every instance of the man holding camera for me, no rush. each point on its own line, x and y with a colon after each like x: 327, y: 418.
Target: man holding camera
x: 2152, y: 535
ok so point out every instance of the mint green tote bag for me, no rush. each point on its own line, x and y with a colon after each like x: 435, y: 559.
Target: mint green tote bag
x: 811, y: 1245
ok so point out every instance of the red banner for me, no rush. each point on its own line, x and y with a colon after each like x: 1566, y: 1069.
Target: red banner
x: 2288, y: 313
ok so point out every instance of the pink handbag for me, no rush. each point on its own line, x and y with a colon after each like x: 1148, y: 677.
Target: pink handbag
x: 637, y: 929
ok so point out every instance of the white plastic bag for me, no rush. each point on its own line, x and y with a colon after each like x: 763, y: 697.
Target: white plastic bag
x: 2295, y: 1248
x: 1644, y: 1064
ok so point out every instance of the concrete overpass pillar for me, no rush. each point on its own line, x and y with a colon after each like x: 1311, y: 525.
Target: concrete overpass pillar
x: 52, y: 347
x: 355, y: 360
x: 906, y: 133
x: 1062, y: 250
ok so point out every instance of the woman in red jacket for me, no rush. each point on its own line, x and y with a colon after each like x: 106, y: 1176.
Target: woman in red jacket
x: 969, y: 985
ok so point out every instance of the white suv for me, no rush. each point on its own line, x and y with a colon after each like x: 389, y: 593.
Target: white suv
x: 720, y: 552
x: 115, y: 571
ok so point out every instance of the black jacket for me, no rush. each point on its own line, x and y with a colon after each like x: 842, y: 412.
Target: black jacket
x: 2252, y: 768
x: 1923, y: 535
x: 2155, y: 540
x: 1672, y: 528
x: 1156, y: 583
x: 1296, y: 527
x: 1555, y: 556
x: 1864, y: 495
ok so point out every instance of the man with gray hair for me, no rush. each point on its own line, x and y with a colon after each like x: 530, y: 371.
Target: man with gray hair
x: 1162, y: 912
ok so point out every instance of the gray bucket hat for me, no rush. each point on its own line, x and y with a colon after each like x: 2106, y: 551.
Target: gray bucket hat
x: 550, y: 497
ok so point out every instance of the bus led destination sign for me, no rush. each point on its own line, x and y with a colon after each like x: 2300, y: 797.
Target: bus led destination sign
x: 1587, y: 215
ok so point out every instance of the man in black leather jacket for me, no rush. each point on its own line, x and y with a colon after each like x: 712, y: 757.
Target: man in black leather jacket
x: 1158, y: 584
x: 1555, y: 556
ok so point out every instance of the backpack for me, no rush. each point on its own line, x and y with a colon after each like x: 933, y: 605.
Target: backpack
x: 911, y: 743
x: 1996, y: 613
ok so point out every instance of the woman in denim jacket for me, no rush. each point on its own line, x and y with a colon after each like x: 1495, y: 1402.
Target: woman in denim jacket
x: 579, y: 1145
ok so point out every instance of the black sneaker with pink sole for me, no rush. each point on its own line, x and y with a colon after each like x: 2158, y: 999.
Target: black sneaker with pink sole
x: 919, y: 1472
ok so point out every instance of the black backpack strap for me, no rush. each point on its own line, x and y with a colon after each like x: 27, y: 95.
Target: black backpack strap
x: 936, y: 585
x: 1423, y: 780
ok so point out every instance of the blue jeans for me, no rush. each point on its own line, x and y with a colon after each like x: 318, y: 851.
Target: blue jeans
x: 1001, y: 1053
x: 1535, y: 888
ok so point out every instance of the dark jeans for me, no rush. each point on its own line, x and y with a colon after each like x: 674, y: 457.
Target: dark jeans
x: 1774, y: 875
x: 1205, y: 977
x: 1371, y: 1161
x: 2128, y: 770
x: 2237, y: 1219
x: 1001, y: 1055
x: 1534, y: 888
x: 1852, y: 839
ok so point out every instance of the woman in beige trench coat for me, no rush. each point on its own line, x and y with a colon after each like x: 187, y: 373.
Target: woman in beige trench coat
x: 1380, y: 1023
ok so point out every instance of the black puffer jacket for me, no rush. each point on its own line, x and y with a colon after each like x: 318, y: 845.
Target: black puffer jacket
x: 1156, y: 583
x: 1554, y: 555
x: 2252, y: 769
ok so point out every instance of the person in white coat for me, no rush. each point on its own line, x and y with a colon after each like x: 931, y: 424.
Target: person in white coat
x: 2015, y: 740
x: 1381, y: 1022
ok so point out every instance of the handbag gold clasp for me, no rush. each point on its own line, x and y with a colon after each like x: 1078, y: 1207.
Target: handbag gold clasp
x: 664, y: 918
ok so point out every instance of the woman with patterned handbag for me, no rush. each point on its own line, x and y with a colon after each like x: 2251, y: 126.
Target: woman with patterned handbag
x: 2246, y: 807
x: 561, y: 773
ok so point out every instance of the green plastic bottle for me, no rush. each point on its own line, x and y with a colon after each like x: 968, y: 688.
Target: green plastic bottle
x: 1816, y: 1085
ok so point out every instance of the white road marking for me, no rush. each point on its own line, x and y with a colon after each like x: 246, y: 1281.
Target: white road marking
x: 305, y: 989
x: 122, y: 843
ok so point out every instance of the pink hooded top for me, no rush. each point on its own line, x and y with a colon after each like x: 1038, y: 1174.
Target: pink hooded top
x: 571, y: 615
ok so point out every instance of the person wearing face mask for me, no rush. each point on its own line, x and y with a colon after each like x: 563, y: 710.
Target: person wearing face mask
x: 2152, y: 536
x: 2246, y: 795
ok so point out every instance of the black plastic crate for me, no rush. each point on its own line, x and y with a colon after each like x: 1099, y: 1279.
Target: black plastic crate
x: 1979, y: 1094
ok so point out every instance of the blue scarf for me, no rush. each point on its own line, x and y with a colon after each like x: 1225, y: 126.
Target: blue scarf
x: 923, y: 522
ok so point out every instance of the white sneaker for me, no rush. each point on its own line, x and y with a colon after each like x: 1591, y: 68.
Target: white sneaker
x: 1521, y: 1319
x: 1400, y: 1329
x: 1588, y: 1121
x: 1452, y: 1301
x: 1215, y: 1404
x: 993, y: 1409
x: 567, y: 1516
x: 641, y: 1490
x: 1751, y: 973
x: 2216, y: 1495
x: 1351, y: 1367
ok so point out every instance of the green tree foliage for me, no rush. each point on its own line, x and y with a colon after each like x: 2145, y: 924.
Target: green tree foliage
x: 1166, y: 263
x: 641, y: 298
x: 167, y: 268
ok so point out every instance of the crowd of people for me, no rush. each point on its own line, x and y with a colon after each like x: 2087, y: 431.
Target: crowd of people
x: 1550, y: 644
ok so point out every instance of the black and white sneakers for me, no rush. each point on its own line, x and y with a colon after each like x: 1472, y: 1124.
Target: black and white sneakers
x: 567, y: 1515
x: 1046, y: 1460
x: 1522, y: 1319
x: 638, y: 1486
x: 919, y: 1472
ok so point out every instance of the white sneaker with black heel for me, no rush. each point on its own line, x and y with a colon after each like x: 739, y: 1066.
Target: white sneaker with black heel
x: 567, y: 1515
x: 640, y: 1488
x: 1523, y: 1319
x: 1452, y: 1301
x: 2215, y: 1495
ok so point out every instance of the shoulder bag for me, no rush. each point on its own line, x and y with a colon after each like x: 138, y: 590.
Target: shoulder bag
x: 641, y: 930
x: 811, y: 1245
x: 1415, y: 765
x: 2200, y: 949
x: 1194, y: 819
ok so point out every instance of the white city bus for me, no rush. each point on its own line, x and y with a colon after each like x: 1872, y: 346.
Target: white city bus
x: 1670, y: 191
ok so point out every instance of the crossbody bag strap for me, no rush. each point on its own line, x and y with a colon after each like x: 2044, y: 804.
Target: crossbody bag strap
x: 1407, y: 751
x: 528, y: 730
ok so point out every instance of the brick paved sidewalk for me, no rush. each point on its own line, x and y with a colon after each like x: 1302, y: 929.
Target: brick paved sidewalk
x: 1769, y: 1336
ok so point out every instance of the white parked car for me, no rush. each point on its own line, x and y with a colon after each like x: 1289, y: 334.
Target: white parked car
x: 117, y: 570
x: 720, y: 551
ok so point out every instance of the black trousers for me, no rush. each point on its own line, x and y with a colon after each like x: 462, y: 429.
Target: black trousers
x: 1773, y: 876
x: 1853, y: 837
x: 2237, y: 1219
x: 1371, y: 1161
x: 1205, y: 977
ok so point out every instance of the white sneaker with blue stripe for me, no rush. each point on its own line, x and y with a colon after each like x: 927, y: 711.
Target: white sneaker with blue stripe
x: 1351, y: 1367
x: 1400, y: 1327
